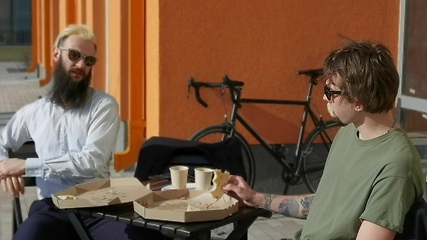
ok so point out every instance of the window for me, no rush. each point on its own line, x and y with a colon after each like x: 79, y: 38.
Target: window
x: 15, y: 22
x: 412, y: 65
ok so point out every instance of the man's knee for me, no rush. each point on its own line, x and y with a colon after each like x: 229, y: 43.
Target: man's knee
x: 44, y: 228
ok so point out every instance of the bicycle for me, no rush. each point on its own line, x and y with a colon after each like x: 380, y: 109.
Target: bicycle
x: 310, y: 155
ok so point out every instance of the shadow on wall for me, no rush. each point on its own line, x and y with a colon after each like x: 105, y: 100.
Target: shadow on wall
x: 271, y: 127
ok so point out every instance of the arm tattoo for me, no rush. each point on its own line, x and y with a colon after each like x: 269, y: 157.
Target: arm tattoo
x: 268, y: 199
x: 289, y: 207
x: 306, y: 204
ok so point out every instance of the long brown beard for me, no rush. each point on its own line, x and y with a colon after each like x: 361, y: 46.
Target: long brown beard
x: 67, y: 92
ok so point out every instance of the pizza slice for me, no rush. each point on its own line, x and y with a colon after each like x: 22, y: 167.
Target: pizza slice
x: 191, y: 208
x: 219, y: 180
x: 67, y: 197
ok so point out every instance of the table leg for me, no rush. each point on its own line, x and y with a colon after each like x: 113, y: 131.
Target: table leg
x: 241, y: 229
x: 79, y: 226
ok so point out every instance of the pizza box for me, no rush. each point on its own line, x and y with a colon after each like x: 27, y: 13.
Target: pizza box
x: 184, y: 205
x: 102, y: 192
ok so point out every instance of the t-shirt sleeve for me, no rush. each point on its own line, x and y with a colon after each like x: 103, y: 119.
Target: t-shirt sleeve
x: 389, y: 201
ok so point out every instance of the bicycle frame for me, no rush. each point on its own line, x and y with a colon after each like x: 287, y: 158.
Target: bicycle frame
x: 235, y: 115
x: 235, y: 88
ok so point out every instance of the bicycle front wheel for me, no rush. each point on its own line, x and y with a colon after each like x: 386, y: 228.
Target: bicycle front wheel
x: 315, y: 153
x: 219, y: 133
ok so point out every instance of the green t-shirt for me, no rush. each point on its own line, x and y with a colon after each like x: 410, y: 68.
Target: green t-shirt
x: 375, y: 180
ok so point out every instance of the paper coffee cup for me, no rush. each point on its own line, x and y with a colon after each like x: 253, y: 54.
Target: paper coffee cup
x: 203, y: 178
x: 179, y: 176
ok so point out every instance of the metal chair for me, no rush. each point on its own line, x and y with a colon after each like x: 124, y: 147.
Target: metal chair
x: 415, y: 226
x: 26, y: 151
x: 158, y: 153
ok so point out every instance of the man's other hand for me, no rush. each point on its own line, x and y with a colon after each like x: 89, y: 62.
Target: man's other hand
x: 14, y: 185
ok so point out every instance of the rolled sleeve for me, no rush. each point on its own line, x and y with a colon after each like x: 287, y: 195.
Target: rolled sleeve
x: 33, y: 167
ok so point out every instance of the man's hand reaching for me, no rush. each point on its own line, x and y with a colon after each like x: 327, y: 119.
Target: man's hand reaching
x: 238, y: 186
x: 292, y: 206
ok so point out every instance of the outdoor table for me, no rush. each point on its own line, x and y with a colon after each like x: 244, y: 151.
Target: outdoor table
x: 241, y: 220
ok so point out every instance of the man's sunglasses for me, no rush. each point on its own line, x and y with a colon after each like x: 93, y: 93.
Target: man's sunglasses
x: 75, y: 56
x: 328, y: 92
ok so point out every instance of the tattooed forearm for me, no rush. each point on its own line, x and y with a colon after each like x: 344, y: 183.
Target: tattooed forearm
x: 306, y: 204
x: 289, y: 207
x: 268, y: 198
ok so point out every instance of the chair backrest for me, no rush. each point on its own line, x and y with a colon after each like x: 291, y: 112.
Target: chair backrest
x: 415, y: 227
x: 158, y: 153
x: 27, y: 150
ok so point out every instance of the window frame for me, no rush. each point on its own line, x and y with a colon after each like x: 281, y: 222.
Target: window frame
x: 406, y: 101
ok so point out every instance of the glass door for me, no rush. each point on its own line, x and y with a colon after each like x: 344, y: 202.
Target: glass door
x: 412, y: 109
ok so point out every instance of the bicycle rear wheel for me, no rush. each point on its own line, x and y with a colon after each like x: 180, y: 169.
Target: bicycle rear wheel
x: 218, y: 133
x: 315, y: 153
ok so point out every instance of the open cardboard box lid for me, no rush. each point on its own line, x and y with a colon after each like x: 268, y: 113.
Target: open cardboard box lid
x: 173, y: 205
x: 100, y: 193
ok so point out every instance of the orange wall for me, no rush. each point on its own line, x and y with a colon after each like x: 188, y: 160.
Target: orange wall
x: 262, y: 43
x: 149, y: 49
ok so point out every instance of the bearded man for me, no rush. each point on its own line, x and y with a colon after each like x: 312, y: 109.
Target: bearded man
x: 74, y: 129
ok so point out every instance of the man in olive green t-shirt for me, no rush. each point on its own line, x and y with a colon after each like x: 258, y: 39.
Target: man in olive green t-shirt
x: 373, y: 173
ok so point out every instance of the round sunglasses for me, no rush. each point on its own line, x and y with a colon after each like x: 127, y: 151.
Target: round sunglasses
x: 329, y: 92
x: 75, y: 56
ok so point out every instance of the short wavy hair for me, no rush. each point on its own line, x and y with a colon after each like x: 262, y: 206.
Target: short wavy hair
x: 367, y: 74
x: 75, y: 29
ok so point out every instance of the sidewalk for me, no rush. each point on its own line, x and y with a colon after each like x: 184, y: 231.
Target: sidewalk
x: 17, y: 88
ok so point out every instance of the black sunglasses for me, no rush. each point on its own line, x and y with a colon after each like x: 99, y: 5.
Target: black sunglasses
x: 75, y: 56
x: 328, y: 92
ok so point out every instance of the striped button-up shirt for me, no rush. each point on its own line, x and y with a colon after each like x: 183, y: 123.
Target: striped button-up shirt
x: 73, y: 146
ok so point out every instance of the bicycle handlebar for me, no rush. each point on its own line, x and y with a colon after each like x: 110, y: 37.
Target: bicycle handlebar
x: 236, y: 86
x: 232, y: 85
